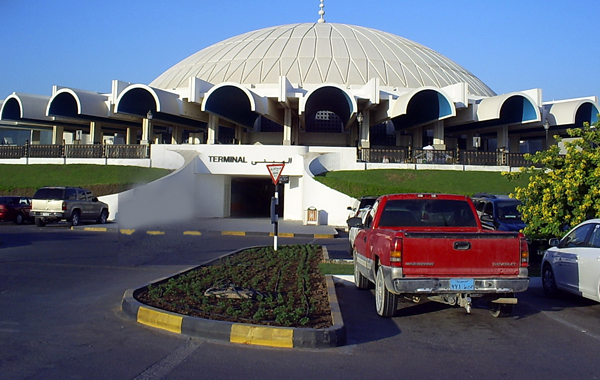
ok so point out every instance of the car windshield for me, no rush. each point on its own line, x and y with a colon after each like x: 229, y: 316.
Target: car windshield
x: 49, y: 194
x: 508, y: 211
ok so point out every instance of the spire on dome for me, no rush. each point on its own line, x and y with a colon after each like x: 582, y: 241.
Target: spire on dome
x: 321, y: 12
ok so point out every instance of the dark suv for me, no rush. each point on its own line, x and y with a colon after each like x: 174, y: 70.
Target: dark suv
x: 498, y: 212
x: 73, y: 204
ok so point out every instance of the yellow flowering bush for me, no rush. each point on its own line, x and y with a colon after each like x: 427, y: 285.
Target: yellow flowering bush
x: 566, y: 191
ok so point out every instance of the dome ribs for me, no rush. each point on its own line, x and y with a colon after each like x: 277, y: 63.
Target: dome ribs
x: 316, y: 53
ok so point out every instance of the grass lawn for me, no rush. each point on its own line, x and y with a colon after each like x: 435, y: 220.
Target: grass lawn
x: 101, y: 179
x: 335, y: 268
x: 357, y: 183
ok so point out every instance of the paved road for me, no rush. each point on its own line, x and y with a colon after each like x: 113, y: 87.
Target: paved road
x: 60, y: 292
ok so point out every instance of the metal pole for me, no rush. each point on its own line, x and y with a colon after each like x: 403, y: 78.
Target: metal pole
x: 275, y: 218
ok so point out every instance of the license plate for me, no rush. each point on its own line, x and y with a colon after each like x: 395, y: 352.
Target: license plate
x: 45, y: 214
x: 462, y: 284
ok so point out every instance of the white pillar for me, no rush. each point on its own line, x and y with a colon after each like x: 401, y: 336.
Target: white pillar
x: 239, y: 133
x: 57, y: 134
x: 177, y: 135
x: 438, y: 135
x: 287, y: 127
x: 417, y: 137
x: 95, y: 133
x: 502, y: 137
x: 129, y: 137
x: 213, y: 129
x: 365, y: 131
x: 147, y: 131
x: 35, y: 137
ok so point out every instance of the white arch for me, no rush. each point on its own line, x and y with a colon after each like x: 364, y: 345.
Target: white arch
x: 351, y: 99
x: 400, y: 105
x: 258, y: 103
x: 30, y: 106
x: 88, y: 103
x: 565, y: 112
x: 166, y: 102
x: 490, y: 108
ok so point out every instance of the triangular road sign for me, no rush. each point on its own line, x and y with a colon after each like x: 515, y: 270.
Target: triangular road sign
x: 275, y: 172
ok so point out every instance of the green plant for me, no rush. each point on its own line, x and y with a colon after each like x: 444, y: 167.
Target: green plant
x: 567, y: 190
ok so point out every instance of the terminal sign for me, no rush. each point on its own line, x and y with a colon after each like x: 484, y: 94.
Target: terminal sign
x: 275, y: 172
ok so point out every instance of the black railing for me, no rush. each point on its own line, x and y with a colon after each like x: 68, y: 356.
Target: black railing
x: 448, y: 156
x: 75, y: 151
x: 12, y: 151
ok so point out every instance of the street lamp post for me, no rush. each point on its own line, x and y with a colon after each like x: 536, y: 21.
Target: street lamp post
x: 360, y: 119
x: 546, y: 128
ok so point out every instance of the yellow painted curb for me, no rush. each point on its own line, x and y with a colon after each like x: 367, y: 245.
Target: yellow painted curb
x: 160, y: 320
x: 196, y: 233
x: 127, y: 232
x: 234, y: 233
x: 262, y: 336
x: 155, y: 232
x: 324, y: 236
x: 103, y: 229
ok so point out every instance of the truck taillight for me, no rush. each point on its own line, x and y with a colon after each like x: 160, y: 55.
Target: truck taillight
x: 396, y: 252
x: 64, y: 206
x: 524, y: 253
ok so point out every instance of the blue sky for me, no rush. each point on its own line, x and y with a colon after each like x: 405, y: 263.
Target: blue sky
x: 511, y: 45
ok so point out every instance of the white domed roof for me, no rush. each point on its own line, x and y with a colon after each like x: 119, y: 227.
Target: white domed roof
x: 315, y: 53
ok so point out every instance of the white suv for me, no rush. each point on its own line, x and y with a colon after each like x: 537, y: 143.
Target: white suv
x: 73, y: 204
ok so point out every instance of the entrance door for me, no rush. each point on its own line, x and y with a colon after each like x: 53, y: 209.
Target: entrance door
x: 251, y: 197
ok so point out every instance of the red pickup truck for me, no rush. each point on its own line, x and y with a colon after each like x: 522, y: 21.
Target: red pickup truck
x: 432, y: 246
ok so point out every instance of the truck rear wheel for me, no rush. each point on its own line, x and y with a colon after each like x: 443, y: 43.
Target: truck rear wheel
x: 360, y: 281
x: 501, y: 310
x: 386, y: 302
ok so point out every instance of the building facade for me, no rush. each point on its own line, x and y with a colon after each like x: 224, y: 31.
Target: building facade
x: 314, y: 95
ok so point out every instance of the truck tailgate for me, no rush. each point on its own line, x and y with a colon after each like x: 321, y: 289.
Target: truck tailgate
x: 460, y: 254
x: 46, y: 205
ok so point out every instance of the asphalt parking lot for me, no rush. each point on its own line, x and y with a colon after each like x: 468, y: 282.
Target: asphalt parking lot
x: 61, y: 290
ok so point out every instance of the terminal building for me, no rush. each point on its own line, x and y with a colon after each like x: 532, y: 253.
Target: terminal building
x: 316, y: 96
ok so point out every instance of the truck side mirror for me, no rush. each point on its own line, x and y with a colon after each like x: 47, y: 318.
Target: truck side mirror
x: 355, y: 222
x: 554, y: 242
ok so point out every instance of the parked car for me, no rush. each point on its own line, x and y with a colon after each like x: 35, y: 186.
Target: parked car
x: 572, y: 263
x: 359, y: 209
x: 498, y: 212
x: 432, y: 246
x: 353, y: 231
x: 73, y: 204
x: 360, y: 204
x: 15, y: 209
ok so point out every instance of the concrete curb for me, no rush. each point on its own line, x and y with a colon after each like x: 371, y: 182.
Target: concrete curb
x: 116, y: 229
x: 95, y: 228
x: 284, y: 337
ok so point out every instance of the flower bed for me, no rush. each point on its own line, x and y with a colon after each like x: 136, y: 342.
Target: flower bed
x: 258, y: 286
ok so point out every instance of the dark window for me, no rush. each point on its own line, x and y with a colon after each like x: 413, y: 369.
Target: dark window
x: 427, y: 213
x: 577, y: 237
x: 49, y: 194
x: 508, y: 210
x: 71, y: 194
x: 595, y: 238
